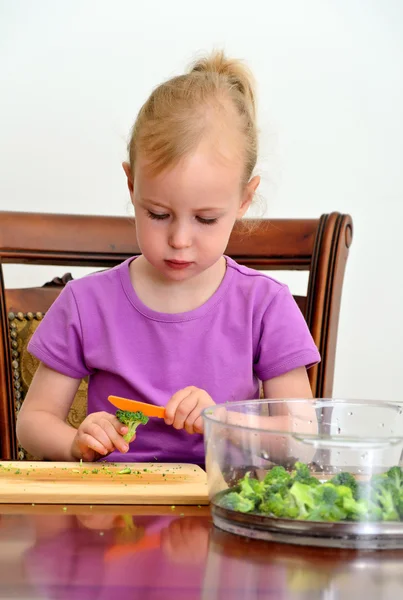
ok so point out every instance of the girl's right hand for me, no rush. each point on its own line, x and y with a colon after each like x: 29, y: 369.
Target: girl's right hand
x: 98, y: 435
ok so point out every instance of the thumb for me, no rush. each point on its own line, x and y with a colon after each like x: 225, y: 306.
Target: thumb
x: 88, y: 455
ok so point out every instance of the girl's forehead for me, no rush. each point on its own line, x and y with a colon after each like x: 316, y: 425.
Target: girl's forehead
x: 207, y: 168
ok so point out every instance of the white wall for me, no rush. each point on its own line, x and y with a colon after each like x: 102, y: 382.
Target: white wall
x: 73, y: 74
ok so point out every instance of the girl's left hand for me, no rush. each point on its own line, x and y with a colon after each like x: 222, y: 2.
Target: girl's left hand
x: 183, y: 410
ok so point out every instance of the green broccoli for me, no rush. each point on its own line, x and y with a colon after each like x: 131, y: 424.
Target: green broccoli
x: 279, y: 506
x: 329, y: 501
x: 277, y: 475
x: 132, y: 420
x: 327, y: 513
x: 399, y: 505
x: 395, y: 475
x: 304, y: 498
x: 348, y: 480
x: 362, y: 510
x: 235, y: 501
x: 299, y: 495
x: 302, y: 474
x: 249, y: 486
x: 251, y: 489
x: 385, y: 494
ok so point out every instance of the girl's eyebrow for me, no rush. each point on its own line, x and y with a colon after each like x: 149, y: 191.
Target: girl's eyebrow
x: 198, y: 210
x: 211, y: 208
x: 155, y: 203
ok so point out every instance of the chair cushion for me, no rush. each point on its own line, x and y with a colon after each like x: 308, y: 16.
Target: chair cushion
x: 24, y: 365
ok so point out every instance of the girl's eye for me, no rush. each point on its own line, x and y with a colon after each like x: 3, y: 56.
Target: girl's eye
x: 159, y: 217
x: 206, y: 221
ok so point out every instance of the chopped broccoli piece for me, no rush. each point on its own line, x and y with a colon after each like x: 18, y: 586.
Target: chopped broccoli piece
x: 235, y: 501
x: 395, y: 475
x: 277, y: 475
x: 280, y: 507
x: 302, y: 474
x: 385, y: 494
x: 329, y: 503
x: 362, y: 510
x: 132, y: 420
x: 348, y: 480
x: 251, y: 489
x: 304, y: 498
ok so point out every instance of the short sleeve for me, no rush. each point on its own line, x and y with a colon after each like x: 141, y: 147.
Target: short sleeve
x: 57, y: 342
x: 285, y: 342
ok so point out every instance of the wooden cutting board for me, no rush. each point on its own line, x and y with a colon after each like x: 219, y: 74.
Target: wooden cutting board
x: 24, y: 482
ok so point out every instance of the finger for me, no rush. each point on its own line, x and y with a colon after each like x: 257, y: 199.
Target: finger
x: 198, y: 425
x: 115, y: 438
x: 87, y: 441
x: 195, y: 417
x: 122, y: 429
x: 89, y: 455
x: 97, y: 431
x: 172, y: 405
x: 184, y: 409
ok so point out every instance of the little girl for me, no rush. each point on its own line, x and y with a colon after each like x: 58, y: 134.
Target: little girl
x: 182, y: 325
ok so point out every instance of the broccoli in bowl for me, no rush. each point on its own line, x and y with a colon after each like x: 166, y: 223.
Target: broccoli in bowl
x: 299, y: 495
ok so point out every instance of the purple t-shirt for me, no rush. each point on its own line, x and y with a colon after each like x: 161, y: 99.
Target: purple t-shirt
x: 250, y: 329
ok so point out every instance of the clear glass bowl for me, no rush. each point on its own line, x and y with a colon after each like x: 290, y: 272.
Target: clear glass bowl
x: 364, y: 438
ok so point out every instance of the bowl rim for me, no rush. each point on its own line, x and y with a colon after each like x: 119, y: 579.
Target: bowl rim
x: 209, y: 412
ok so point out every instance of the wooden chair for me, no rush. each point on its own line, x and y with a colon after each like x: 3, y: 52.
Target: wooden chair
x: 319, y: 246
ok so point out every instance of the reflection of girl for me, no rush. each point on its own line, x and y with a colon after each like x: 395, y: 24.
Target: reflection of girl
x: 92, y: 559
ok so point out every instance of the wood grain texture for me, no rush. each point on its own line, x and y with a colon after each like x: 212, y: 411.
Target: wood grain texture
x: 101, y: 483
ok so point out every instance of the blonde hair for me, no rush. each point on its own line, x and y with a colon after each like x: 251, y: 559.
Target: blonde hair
x: 176, y: 116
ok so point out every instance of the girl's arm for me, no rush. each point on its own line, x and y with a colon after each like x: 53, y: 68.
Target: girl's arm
x: 284, y: 416
x: 294, y: 384
x: 41, y: 426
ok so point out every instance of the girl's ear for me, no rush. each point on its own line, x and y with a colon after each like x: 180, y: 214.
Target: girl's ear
x: 248, y: 195
x: 128, y: 171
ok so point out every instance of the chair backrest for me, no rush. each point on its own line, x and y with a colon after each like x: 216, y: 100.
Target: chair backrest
x: 319, y: 246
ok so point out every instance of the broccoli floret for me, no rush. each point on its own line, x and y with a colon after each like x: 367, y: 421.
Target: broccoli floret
x: 302, y: 474
x: 304, y: 498
x: 277, y: 475
x: 362, y: 510
x: 346, y: 479
x: 385, y: 494
x: 251, y: 488
x: 331, y: 494
x: 327, y: 513
x: 399, y: 505
x: 395, y: 475
x: 328, y: 503
x: 277, y: 480
x: 301, y: 471
x: 132, y: 420
x: 234, y: 501
x: 279, y: 506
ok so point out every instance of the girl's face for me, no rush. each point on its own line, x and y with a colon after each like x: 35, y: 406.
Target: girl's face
x: 185, y: 215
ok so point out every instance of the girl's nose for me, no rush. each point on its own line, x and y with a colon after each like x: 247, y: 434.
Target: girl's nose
x: 180, y: 237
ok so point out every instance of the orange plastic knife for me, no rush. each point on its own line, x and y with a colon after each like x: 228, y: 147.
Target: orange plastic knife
x: 132, y: 405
